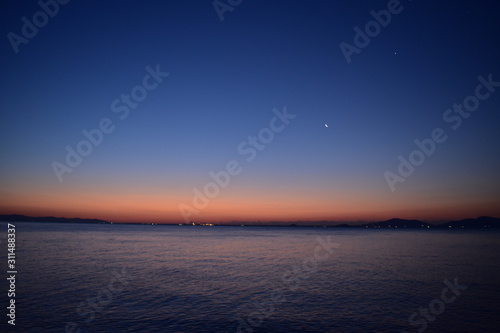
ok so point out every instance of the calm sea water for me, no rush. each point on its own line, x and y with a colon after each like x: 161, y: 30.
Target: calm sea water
x: 131, y: 278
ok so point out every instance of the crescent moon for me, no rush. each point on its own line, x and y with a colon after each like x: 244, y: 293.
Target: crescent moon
x: 326, y: 125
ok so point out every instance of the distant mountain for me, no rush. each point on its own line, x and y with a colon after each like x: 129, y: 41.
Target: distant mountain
x: 480, y: 222
x: 24, y: 218
x: 398, y: 223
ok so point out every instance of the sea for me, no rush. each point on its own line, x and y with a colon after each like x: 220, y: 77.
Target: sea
x: 154, y: 278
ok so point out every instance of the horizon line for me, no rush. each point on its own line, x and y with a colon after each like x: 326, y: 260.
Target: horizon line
x: 254, y: 222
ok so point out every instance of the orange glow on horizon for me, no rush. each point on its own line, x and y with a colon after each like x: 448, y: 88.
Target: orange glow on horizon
x: 158, y: 208
x: 154, y: 204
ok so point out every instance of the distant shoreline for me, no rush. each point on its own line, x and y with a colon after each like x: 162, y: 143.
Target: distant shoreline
x: 482, y: 222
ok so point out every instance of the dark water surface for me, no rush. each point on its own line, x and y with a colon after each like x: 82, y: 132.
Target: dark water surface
x: 131, y: 278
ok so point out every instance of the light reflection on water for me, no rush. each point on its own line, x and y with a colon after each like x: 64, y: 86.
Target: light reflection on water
x: 203, y: 279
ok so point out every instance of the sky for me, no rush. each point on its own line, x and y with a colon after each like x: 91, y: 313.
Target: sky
x: 250, y: 110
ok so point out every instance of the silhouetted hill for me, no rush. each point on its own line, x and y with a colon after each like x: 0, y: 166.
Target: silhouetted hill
x: 24, y: 218
x: 480, y: 222
x: 477, y: 223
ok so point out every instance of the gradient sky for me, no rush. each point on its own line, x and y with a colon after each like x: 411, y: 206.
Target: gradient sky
x: 225, y: 79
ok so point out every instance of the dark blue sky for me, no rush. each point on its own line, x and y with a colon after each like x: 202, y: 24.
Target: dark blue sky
x: 225, y: 78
